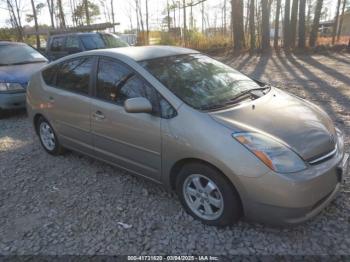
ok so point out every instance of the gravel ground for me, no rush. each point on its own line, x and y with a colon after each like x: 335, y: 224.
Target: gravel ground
x: 72, y: 204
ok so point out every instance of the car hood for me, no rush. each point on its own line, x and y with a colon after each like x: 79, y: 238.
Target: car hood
x: 19, y: 73
x: 306, y: 128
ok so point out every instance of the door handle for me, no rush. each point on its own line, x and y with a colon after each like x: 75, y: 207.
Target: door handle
x: 51, y: 99
x: 98, y: 115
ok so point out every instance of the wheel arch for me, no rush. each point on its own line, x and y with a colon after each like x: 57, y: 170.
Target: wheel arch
x: 175, y: 169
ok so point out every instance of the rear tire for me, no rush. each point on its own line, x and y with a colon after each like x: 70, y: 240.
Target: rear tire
x: 208, y: 195
x: 48, y: 137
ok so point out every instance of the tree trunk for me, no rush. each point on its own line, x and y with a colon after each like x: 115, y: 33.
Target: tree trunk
x: 87, y: 13
x: 316, y: 23
x: 225, y: 6
x: 238, y: 27
x: 293, y: 23
x: 113, y: 18
x: 168, y: 13
x: 265, y: 25
x: 184, y: 18
x: 147, y: 25
x: 51, y: 8
x: 36, y: 25
x: 252, y: 24
x: 336, y: 20
x: 302, y: 8
x: 286, y: 33
x: 341, y: 20
x: 277, y: 23
x: 61, y: 14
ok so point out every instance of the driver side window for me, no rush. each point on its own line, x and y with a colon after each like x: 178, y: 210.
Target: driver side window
x: 117, y: 83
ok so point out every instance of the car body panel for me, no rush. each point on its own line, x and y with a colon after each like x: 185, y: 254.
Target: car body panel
x: 130, y: 140
x: 154, y: 147
x: 308, y: 131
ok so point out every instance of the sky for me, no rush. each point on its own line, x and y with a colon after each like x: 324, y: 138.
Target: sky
x: 123, y: 9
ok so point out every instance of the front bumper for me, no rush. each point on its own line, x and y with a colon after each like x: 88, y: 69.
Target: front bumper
x: 290, y: 199
x: 12, y: 100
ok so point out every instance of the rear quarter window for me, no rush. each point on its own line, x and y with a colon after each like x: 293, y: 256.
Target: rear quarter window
x: 49, y: 75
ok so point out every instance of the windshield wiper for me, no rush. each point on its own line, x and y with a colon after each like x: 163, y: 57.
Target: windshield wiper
x: 233, y: 100
x: 246, y: 92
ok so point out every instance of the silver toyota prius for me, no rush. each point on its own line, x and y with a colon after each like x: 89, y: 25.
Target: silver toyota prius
x: 228, y: 145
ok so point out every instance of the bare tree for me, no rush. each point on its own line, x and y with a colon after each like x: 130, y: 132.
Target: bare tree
x: 112, y: 14
x: 286, y: 32
x: 301, y: 39
x: 238, y: 27
x: 265, y: 24
x: 35, y: 17
x: 336, y: 20
x: 293, y: 23
x: 51, y: 7
x: 252, y: 24
x: 277, y: 23
x: 147, y: 25
x: 61, y: 14
x: 87, y: 13
x: 14, y: 9
x: 184, y: 22
x: 316, y: 23
x: 341, y: 20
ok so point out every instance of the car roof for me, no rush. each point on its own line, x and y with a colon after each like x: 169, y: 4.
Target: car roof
x: 140, y: 53
x: 75, y: 34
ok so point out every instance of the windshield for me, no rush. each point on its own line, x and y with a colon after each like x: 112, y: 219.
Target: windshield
x: 198, y: 80
x: 13, y: 54
x: 91, y: 42
x: 113, y: 41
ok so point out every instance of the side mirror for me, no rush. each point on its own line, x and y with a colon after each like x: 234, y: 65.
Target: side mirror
x: 137, y: 105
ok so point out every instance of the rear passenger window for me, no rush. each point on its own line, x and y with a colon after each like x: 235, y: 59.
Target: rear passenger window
x: 74, y: 75
x: 72, y: 42
x: 57, y: 44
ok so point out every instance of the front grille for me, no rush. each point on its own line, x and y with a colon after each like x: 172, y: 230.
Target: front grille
x: 324, y: 157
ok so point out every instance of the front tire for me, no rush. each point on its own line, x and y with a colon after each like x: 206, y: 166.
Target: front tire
x: 48, y: 137
x: 208, y: 195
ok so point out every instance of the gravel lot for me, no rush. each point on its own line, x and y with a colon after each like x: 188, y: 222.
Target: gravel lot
x: 72, y: 204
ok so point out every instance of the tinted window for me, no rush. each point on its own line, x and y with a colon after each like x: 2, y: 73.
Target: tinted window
x: 72, y: 43
x: 49, y: 75
x: 74, y: 75
x: 19, y: 54
x: 113, y: 41
x: 92, y: 42
x: 117, y: 83
x: 57, y: 44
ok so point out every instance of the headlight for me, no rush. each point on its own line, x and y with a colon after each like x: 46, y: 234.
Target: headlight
x: 274, y: 154
x: 10, y: 87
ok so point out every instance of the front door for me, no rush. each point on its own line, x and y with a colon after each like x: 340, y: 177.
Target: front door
x: 129, y: 140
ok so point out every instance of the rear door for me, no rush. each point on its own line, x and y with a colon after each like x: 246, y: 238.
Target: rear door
x: 70, y: 102
x: 130, y: 140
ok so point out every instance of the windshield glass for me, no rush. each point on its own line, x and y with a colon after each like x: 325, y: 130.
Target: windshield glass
x: 13, y: 54
x: 113, y: 41
x: 198, y: 80
x: 91, y: 42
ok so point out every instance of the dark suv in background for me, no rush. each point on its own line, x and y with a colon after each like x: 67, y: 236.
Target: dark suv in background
x: 65, y: 44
